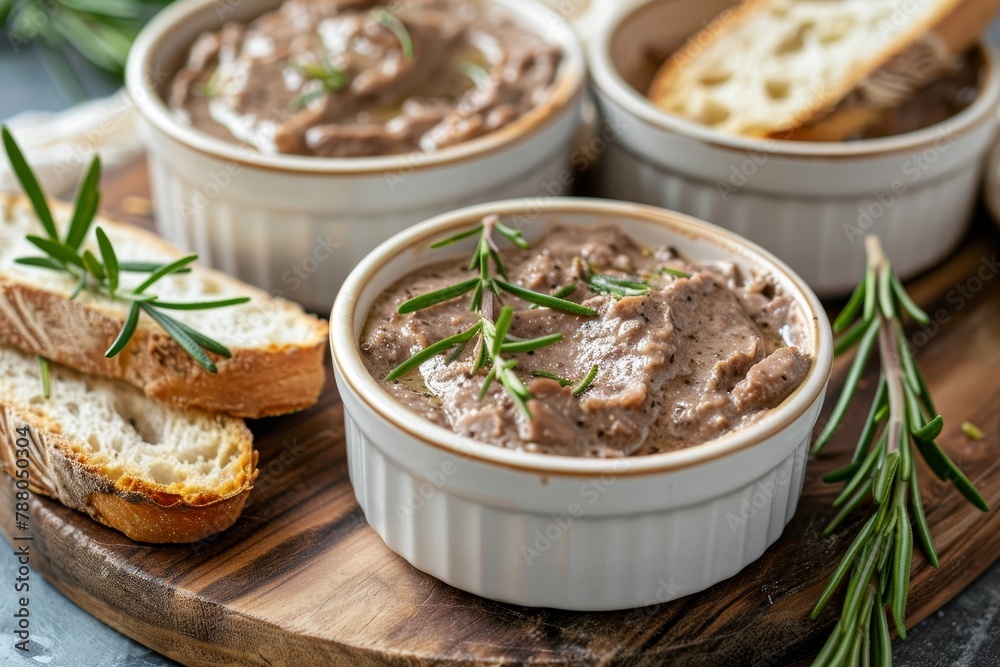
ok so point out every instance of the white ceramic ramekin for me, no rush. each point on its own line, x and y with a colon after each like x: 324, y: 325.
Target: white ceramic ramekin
x: 589, y: 16
x: 809, y: 203
x: 296, y: 225
x: 563, y: 532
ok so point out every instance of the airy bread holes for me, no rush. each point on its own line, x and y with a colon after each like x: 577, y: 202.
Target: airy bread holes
x: 715, y: 76
x: 777, y: 89
x: 163, y: 472
x: 834, y: 29
x: 149, y: 429
x: 713, y: 113
x: 795, y: 42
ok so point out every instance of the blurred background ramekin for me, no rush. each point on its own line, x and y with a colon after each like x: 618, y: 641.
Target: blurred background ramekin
x: 295, y: 225
x: 809, y: 203
x: 568, y: 532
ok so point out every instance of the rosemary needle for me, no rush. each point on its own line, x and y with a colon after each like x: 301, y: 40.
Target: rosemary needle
x: 101, y: 275
x: 384, y: 17
x: 973, y: 431
x: 45, y: 368
x: 901, y: 422
x: 493, y: 343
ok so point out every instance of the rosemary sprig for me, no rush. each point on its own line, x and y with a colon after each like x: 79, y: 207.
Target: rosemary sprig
x: 101, y: 31
x: 901, y: 422
x: 493, y: 343
x: 102, y: 275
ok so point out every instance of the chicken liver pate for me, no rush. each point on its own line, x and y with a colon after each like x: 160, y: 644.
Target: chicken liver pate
x: 696, y: 358
x: 347, y: 78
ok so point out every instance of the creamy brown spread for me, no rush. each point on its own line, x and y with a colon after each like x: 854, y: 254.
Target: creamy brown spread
x: 954, y: 90
x: 348, y: 78
x: 694, y: 359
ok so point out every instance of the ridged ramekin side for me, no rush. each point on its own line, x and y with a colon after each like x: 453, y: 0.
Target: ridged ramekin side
x: 297, y: 251
x: 820, y: 239
x: 577, y: 559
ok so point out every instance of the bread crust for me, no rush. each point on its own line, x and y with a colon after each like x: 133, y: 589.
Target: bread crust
x: 951, y: 35
x: 944, y: 20
x: 142, y: 510
x: 253, y: 383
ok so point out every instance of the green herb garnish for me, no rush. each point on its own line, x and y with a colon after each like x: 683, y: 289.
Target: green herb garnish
x: 101, y: 275
x: 675, y: 273
x: 209, y: 88
x: 473, y: 71
x: 46, y: 372
x: 492, y: 341
x: 385, y: 18
x: 972, y: 431
x: 549, y: 375
x: 560, y: 293
x: 100, y: 30
x: 585, y: 383
x: 326, y: 77
x: 901, y: 422
x: 579, y: 387
x: 617, y: 286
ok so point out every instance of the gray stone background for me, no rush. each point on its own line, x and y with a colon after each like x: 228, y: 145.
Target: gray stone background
x: 965, y: 633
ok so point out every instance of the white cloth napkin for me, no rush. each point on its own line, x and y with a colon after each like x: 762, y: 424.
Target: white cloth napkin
x: 59, y: 146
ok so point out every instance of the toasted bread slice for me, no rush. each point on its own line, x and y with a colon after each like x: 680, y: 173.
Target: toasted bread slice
x: 891, y: 86
x: 771, y: 66
x: 277, y: 363
x: 155, y: 473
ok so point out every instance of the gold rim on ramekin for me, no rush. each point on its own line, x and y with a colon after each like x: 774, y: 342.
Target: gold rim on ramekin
x: 347, y: 358
x: 147, y: 99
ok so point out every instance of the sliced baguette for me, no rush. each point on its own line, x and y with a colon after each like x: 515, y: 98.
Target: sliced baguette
x: 277, y: 363
x: 155, y: 473
x: 769, y: 67
x: 892, y: 85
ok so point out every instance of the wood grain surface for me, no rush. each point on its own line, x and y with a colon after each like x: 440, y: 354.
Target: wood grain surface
x: 301, y: 580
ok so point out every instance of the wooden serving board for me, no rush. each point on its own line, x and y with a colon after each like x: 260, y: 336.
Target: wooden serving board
x: 302, y: 580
